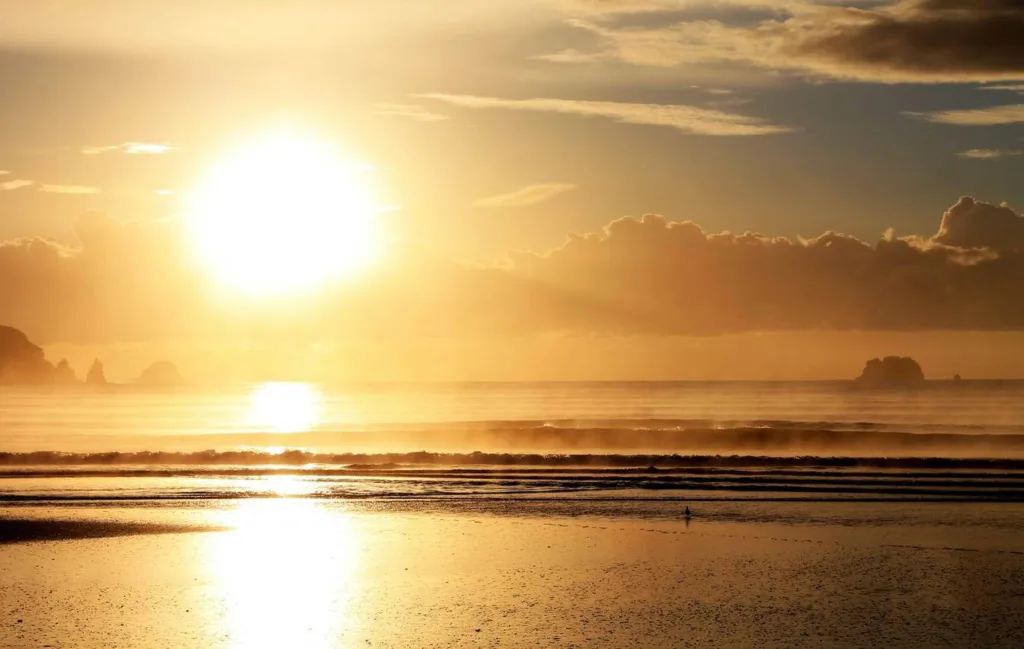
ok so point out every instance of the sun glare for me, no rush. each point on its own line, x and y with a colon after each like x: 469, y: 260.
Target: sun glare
x: 286, y: 575
x: 284, y: 407
x: 282, y: 215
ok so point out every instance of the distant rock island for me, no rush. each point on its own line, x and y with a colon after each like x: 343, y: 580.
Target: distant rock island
x: 162, y: 374
x: 96, y: 376
x: 891, y: 371
x: 23, y: 362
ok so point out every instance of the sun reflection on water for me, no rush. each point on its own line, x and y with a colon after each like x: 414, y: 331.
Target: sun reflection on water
x: 286, y: 574
x: 284, y: 407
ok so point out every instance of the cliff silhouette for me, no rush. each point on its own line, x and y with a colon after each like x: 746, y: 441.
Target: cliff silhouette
x: 891, y: 371
x: 22, y: 361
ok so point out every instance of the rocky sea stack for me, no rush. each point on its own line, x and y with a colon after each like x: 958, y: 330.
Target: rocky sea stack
x: 162, y: 374
x: 891, y: 371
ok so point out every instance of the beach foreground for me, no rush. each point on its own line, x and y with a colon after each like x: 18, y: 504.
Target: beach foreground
x: 306, y: 573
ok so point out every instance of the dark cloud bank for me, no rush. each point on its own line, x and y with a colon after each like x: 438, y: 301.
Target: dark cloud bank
x: 971, y: 38
x: 637, y: 276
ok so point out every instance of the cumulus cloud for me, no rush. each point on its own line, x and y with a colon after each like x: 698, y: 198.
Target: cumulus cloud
x: 990, y: 154
x: 69, y: 189
x: 904, y: 41
x: 529, y: 195
x: 130, y: 148
x: 990, y: 116
x: 686, y: 119
x: 973, y: 224
x: 120, y: 282
x: 410, y: 111
x: 672, y: 277
x: 17, y: 183
x: 648, y: 275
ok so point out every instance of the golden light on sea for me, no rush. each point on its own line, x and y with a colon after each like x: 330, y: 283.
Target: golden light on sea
x: 284, y: 407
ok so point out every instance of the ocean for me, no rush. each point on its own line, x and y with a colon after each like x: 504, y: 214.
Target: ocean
x: 771, y: 440
x: 525, y: 515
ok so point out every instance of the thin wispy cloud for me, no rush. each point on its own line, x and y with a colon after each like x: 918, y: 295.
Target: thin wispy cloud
x: 1007, y: 87
x: 69, y: 189
x: 688, y: 119
x: 17, y: 183
x: 991, y: 116
x: 990, y: 154
x: 572, y: 55
x: 529, y: 195
x: 410, y: 111
x: 130, y: 148
x: 612, y: 7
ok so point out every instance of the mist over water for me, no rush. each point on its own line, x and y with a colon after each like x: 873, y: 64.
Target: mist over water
x: 818, y: 440
x: 969, y: 418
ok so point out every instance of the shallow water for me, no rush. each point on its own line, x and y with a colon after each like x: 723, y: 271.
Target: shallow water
x: 448, y: 573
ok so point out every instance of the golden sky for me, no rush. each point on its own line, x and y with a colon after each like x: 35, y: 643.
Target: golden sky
x: 657, y: 183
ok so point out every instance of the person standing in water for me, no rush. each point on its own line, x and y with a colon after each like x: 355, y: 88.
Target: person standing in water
x: 686, y: 512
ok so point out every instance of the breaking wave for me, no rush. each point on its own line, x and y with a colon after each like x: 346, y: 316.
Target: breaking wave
x: 586, y: 437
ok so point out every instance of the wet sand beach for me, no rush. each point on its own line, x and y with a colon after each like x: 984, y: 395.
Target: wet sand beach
x: 314, y: 573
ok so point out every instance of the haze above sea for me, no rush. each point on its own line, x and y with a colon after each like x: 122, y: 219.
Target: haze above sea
x: 326, y: 418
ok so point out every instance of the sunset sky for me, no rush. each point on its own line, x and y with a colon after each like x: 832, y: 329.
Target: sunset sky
x: 484, y: 133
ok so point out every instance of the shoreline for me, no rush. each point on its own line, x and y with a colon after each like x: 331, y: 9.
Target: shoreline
x: 300, y: 573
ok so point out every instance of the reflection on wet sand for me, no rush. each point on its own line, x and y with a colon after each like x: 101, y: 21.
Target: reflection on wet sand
x: 285, y: 574
x: 311, y: 574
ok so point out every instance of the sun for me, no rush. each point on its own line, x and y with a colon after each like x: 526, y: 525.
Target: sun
x: 283, y: 214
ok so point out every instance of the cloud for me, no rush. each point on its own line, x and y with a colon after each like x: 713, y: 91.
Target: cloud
x: 684, y: 118
x: 324, y: 27
x: 919, y: 41
x: 130, y: 148
x: 529, y: 195
x: 17, y: 183
x: 671, y: 277
x: 973, y: 224
x: 1007, y: 87
x: 571, y: 55
x: 991, y: 116
x: 600, y: 7
x: 409, y: 111
x: 120, y: 282
x: 636, y: 276
x: 69, y: 189
x: 990, y: 154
